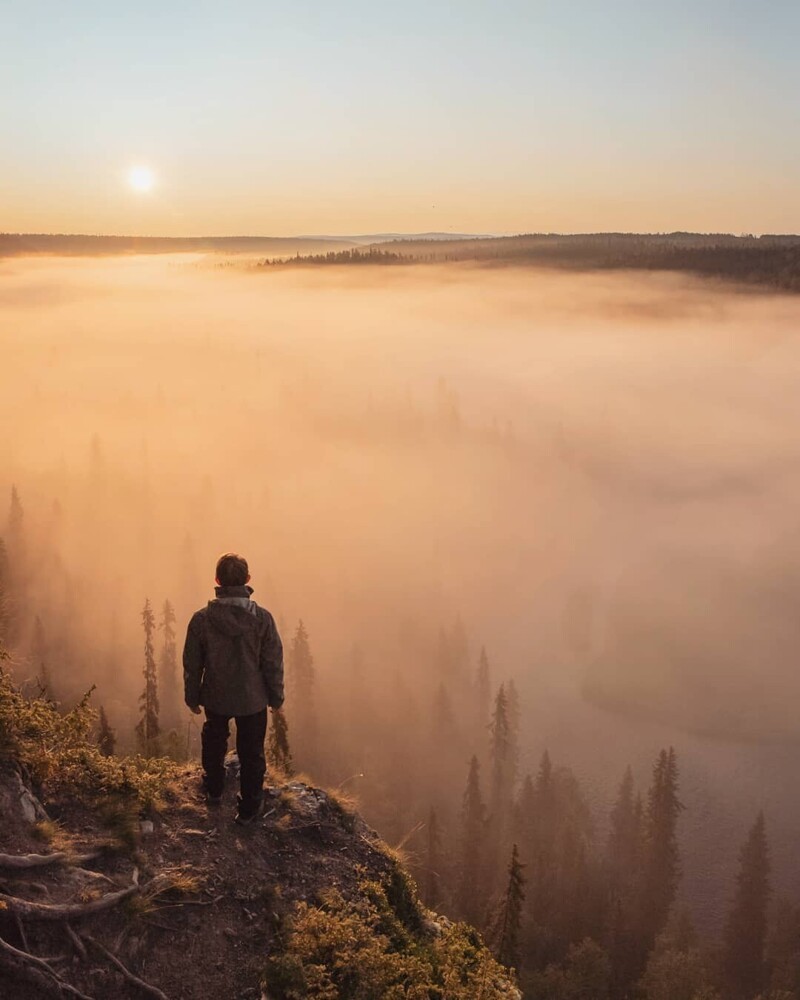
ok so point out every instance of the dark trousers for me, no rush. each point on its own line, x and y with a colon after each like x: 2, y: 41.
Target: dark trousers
x: 250, y: 733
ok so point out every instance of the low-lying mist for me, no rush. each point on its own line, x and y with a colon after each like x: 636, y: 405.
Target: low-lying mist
x: 597, y: 474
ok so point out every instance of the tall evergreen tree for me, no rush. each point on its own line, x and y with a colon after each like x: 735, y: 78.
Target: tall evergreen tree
x: 661, y: 871
x: 623, y: 852
x: 168, y: 668
x: 301, y: 683
x: 503, y: 763
x: 746, y: 928
x: 509, y: 917
x: 472, y: 883
x: 624, y: 856
x: 5, y: 596
x: 148, y: 729
x: 514, y: 719
x: 39, y: 657
x: 106, y: 740
x: 279, y: 753
x: 483, y: 691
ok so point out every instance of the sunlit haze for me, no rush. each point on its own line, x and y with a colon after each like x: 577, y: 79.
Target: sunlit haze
x: 467, y: 335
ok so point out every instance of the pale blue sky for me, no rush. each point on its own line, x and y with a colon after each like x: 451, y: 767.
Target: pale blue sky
x: 259, y: 117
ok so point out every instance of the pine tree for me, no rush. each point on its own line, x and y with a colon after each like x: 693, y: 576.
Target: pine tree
x: 39, y: 656
x: 746, y: 928
x: 433, y: 862
x: 624, y: 853
x: 503, y: 774
x: 472, y: 888
x: 514, y: 719
x: 148, y: 729
x: 301, y: 681
x: 624, y: 847
x: 168, y: 667
x: 503, y: 752
x: 483, y: 691
x: 5, y: 596
x: 509, y: 917
x: 661, y: 872
x: 279, y: 753
x: 106, y: 740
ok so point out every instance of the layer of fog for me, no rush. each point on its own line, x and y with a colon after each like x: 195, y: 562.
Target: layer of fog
x: 597, y: 473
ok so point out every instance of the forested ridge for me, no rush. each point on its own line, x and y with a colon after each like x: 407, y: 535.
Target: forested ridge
x: 769, y: 261
x: 516, y: 853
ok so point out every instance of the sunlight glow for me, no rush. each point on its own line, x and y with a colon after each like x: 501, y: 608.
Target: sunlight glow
x: 141, y: 179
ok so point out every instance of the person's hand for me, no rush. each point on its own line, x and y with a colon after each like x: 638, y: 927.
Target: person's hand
x: 194, y: 708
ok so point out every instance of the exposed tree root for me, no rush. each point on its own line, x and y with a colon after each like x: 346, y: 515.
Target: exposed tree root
x: 77, y: 944
x: 26, y: 861
x: 147, y: 987
x: 38, y: 971
x: 66, y: 911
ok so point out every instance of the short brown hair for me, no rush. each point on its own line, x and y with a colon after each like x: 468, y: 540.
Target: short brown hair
x: 232, y: 570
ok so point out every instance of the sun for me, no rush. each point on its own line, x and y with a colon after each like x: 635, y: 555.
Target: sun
x: 141, y: 178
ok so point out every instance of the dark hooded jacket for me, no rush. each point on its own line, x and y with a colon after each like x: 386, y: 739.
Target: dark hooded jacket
x: 233, y: 657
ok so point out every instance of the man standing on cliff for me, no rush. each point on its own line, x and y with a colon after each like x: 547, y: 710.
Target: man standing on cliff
x: 233, y: 667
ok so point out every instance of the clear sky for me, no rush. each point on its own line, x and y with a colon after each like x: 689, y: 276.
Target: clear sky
x: 345, y: 116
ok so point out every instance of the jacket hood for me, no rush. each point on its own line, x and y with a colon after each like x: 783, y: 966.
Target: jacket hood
x: 230, y: 619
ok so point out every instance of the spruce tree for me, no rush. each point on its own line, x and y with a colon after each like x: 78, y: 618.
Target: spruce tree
x: 433, y: 862
x: 5, y: 596
x: 509, y: 917
x: 106, y: 740
x: 624, y: 848
x: 168, y: 667
x: 471, y: 889
x: 483, y: 691
x: 148, y: 729
x: 279, y: 753
x: 503, y: 775
x: 661, y: 872
x: 624, y: 853
x: 514, y: 719
x: 301, y: 682
x: 746, y: 928
x: 39, y: 656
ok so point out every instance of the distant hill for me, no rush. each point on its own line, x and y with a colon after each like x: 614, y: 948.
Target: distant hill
x: 402, y: 237
x: 23, y: 244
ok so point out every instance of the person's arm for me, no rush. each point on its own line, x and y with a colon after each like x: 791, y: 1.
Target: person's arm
x: 271, y: 663
x: 193, y: 663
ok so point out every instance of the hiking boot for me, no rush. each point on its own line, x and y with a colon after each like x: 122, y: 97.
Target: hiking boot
x: 245, y: 815
x: 206, y: 796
